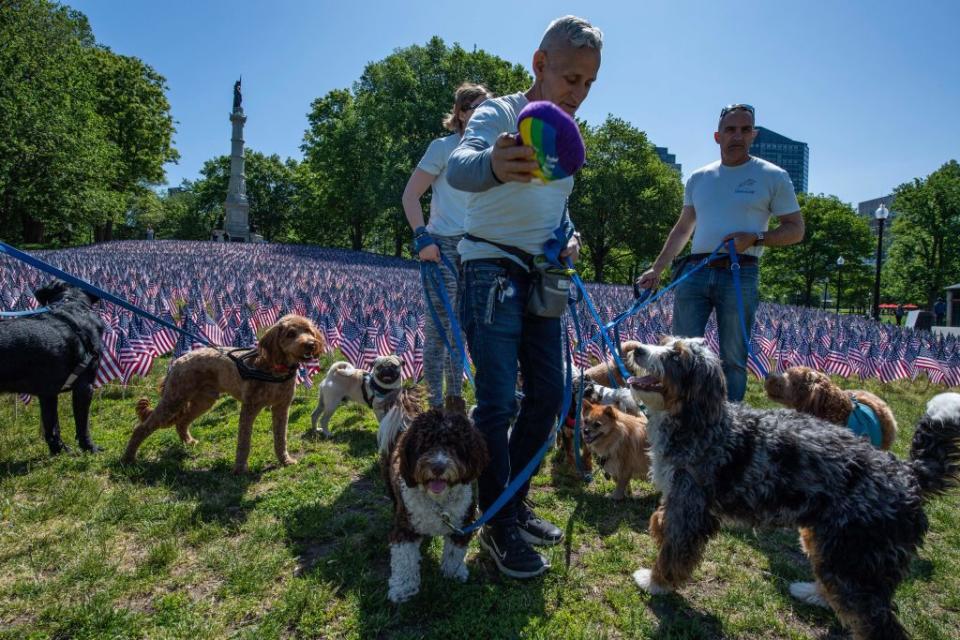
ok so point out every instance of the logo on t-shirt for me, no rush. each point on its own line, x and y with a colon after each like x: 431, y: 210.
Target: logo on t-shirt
x: 747, y: 186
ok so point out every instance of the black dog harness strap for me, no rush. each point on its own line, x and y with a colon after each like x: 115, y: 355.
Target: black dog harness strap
x: 249, y: 372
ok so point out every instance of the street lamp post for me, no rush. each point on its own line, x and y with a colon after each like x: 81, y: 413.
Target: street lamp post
x: 839, y: 272
x: 881, y: 214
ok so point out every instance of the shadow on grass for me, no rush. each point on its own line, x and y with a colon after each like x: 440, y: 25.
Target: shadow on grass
x: 219, y: 494
x: 679, y: 620
x: 594, y: 507
x: 344, y: 543
x: 14, y: 468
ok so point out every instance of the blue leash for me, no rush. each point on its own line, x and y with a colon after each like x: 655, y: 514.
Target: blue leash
x: 86, y: 286
x: 742, y: 311
x: 430, y: 275
x: 527, y: 471
x: 24, y: 314
x: 578, y: 417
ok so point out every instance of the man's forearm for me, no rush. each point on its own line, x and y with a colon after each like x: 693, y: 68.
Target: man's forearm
x: 469, y: 168
x: 789, y: 232
x: 675, y: 242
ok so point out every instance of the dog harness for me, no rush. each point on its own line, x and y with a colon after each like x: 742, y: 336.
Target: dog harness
x: 864, y: 422
x: 376, y: 391
x: 249, y: 372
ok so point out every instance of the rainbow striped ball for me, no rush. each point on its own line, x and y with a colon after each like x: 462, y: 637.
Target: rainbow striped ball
x: 555, y: 137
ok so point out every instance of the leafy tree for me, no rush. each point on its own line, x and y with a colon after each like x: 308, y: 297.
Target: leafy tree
x: 625, y: 199
x: 341, y: 156
x: 53, y: 155
x: 924, y: 256
x: 833, y: 229
x: 270, y: 191
x: 362, y: 145
x: 80, y: 127
x: 132, y: 102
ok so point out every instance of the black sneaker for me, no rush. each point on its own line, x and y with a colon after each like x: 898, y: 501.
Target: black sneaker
x: 536, y: 530
x: 513, y: 556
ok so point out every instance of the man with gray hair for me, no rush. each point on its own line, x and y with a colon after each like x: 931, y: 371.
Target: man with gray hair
x: 508, y: 220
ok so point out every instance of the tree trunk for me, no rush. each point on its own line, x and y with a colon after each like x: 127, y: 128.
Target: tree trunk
x: 598, y: 259
x: 356, y: 236
x: 32, y: 230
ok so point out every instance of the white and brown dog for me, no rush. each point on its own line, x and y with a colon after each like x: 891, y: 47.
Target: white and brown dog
x: 345, y: 382
x: 429, y: 472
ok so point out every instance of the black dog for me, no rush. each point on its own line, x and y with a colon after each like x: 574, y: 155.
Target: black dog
x: 53, y: 352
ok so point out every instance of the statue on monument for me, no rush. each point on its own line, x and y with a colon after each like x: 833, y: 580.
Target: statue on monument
x: 237, y: 96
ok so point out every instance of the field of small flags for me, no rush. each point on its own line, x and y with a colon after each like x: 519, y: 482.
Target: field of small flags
x: 177, y: 546
x: 369, y: 305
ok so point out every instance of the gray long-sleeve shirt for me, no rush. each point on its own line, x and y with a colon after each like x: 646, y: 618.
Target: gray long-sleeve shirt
x: 517, y: 214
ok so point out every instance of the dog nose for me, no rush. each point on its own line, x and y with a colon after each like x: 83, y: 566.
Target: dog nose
x: 438, y: 469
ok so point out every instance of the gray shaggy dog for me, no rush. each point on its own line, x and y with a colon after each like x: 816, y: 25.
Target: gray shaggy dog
x: 859, y: 509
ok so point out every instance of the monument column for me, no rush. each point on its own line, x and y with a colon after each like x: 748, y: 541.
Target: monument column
x: 236, y: 207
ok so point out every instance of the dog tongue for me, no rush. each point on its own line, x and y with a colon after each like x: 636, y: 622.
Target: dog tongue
x: 437, y: 486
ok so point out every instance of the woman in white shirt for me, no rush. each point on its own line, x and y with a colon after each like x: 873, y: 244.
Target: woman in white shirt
x: 444, y: 230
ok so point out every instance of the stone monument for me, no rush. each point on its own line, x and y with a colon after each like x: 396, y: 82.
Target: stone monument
x: 236, y: 226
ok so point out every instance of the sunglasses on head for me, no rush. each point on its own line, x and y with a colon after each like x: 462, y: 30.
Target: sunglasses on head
x: 734, y: 107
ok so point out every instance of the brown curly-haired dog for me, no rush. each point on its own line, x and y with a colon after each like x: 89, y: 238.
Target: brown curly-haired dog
x: 197, y: 379
x: 429, y: 471
x: 812, y: 392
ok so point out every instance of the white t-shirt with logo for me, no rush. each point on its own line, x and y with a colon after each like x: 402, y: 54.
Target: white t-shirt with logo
x: 447, y: 205
x: 740, y: 198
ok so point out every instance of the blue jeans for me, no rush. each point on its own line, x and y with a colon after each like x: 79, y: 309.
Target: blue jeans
x: 500, y: 334
x: 710, y: 289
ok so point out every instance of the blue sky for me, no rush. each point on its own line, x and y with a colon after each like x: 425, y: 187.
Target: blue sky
x: 871, y: 86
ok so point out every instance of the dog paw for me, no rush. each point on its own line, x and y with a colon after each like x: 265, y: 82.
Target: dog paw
x: 239, y: 470
x: 458, y: 572
x: 315, y: 434
x: 808, y: 593
x: 190, y: 441
x: 288, y: 460
x: 90, y: 447
x: 57, y: 448
x: 398, y: 593
x: 644, y: 580
x: 618, y: 495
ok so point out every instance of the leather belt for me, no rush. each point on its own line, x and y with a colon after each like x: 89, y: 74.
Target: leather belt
x: 724, y: 261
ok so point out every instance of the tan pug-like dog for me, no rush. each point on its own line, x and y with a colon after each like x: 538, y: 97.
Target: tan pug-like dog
x: 345, y: 382
x: 618, y: 441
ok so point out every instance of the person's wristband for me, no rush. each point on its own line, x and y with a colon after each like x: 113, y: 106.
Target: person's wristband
x: 421, y: 241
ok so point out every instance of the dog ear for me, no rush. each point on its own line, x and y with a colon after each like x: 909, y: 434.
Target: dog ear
x: 321, y: 341
x: 270, y: 345
x: 701, y: 387
x: 50, y: 291
x: 407, y: 452
x: 475, y: 454
x: 610, y: 412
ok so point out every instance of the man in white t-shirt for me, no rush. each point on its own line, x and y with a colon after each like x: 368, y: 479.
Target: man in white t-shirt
x: 509, y: 218
x: 732, y: 198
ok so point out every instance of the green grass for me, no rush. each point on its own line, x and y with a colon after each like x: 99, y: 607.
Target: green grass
x: 177, y: 547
